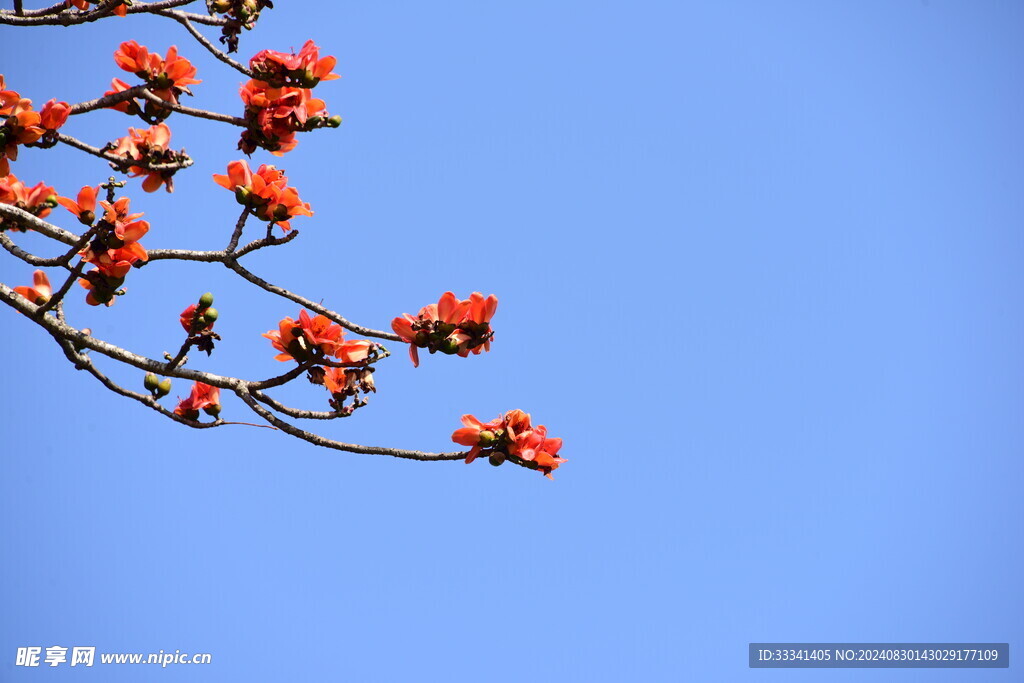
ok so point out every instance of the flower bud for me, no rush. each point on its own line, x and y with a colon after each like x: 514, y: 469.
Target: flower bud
x: 51, y: 201
x: 164, y: 387
x: 151, y: 382
x: 449, y: 346
x: 496, y: 458
x: 281, y: 212
x: 486, y: 438
x: 206, y: 300
x: 86, y: 217
x: 242, y: 195
x: 210, y: 315
x: 308, y: 80
x: 213, y: 410
x: 334, y: 121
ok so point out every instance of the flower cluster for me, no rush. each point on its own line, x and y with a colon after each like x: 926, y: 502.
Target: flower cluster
x: 451, y: 326
x: 38, y: 200
x: 304, y: 70
x: 310, y: 338
x: 265, y: 192
x: 22, y: 125
x: 40, y: 291
x: 120, y: 9
x: 238, y: 14
x: 510, y: 437
x: 197, y: 320
x: 166, y: 78
x: 344, y: 383
x: 113, y: 250
x: 279, y: 102
x: 142, y: 150
x: 203, y: 397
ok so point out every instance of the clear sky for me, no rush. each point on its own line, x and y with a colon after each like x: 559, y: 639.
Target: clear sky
x: 759, y: 264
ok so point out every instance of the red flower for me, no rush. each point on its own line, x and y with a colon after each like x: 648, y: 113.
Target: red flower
x: 451, y: 326
x: 309, y: 337
x: 266, y: 192
x: 54, y: 114
x: 275, y: 114
x: 149, y: 147
x: 192, y: 322
x: 40, y: 291
x: 203, y: 397
x: 113, y: 251
x: 305, y: 69
x: 21, y: 127
x: 84, y: 207
x: 38, y: 200
x: 510, y: 437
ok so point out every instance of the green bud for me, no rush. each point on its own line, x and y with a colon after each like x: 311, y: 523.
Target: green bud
x: 210, y: 315
x: 206, y: 300
x: 242, y: 195
x: 164, y: 387
x: 308, y: 80
x: 486, y: 438
x: 449, y: 346
x: 51, y: 201
x: 151, y: 382
x: 421, y: 338
x: 213, y: 410
x: 497, y: 458
x: 334, y: 121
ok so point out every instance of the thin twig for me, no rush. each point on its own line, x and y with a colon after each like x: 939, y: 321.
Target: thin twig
x: 186, y: 21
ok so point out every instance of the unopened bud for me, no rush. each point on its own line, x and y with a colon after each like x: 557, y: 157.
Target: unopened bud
x: 164, y: 387
x: 210, y: 315
x: 213, y: 410
x: 496, y: 458
x: 486, y: 438
x: 449, y: 346
x: 206, y: 300
x: 51, y: 201
x: 334, y: 121
x: 151, y: 382
x: 281, y: 213
x: 86, y: 217
x: 242, y: 195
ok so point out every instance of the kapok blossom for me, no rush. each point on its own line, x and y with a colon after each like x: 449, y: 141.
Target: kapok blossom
x: 38, y: 200
x: 309, y: 338
x: 193, y: 320
x: 275, y: 114
x: 148, y: 147
x: 166, y: 78
x: 40, y: 291
x: 510, y: 437
x: 305, y: 69
x: 121, y: 9
x: 203, y: 397
x: 84, y: 206
x: 266, y: 192
x: 451, y: 326
x: 21, y: 126
x: 54, y: 114
x: 114, y: 250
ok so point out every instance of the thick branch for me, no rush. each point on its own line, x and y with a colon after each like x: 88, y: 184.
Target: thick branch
x: 56, y: 15
x: 123, y: 163
x: 38, y: 224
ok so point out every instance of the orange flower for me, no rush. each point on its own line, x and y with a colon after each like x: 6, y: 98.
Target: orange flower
x: 203, y: 397
x: 266, y: 192
x: 148, y: 147
x: 38, y: 200
x: 308, y: 338
x: 84, y: 207
x: 40, y: 291
x: 275, y: 114
x: 114, y: 250
x: 451, y: 326
x: 305, y: 69
x: 54, y: 114
x: 126, y: 106
x: 510, y: 437
x: 20, y: 128
x: 171, y: 75
x: 120, y: 10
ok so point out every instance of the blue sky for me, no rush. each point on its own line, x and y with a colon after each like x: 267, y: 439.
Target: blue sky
x: 758, y: 264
